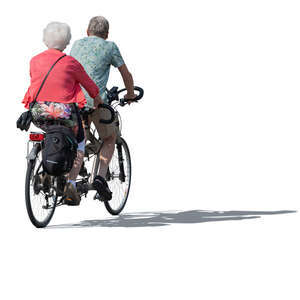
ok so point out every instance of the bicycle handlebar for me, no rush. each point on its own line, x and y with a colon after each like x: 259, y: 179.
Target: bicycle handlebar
x: 113, y: 95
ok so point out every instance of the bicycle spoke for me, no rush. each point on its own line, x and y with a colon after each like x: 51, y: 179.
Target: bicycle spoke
x: 119, y: 188
x: 40, y: 204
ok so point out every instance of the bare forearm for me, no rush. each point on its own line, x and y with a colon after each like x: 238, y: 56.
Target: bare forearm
x: 127, y: 79
x: 128, y: 82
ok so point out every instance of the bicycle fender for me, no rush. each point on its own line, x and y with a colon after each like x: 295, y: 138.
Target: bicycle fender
x: 33, y: 153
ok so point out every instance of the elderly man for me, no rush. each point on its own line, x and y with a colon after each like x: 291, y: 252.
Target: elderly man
x: 96, y: 55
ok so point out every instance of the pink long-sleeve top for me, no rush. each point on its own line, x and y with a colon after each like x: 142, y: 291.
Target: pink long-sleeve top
x: 63, y: 82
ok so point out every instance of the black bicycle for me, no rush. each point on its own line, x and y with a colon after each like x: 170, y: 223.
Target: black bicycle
x: 44, y: 193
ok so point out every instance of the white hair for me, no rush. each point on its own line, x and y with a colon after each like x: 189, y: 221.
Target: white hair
x: 98, y: 26
x: 57, y: 35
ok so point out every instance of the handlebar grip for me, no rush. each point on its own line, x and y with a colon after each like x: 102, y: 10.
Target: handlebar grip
x: 140, y: 95
x: 112, y: 112
x: 136, y: 99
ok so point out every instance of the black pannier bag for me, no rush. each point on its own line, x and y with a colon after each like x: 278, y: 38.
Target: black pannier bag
x: 59, y: 150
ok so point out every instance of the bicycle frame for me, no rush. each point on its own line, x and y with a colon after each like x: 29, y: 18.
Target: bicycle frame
x: 43, y: 193
x: 35, y: 148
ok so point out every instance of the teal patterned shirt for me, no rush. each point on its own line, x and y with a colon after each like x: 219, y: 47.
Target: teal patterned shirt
x: 96, y: 56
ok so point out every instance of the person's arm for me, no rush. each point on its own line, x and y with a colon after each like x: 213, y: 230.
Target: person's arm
x: 118, y: 62
x: 97, y: 101
x: 89, y: 85
x: 128, y: 81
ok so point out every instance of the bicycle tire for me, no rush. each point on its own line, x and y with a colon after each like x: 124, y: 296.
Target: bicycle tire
x: 32, y: 216
x: 115, y: 183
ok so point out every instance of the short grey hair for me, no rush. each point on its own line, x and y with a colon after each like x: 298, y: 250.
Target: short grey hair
x: 98, y: 26
x: 57, y: 35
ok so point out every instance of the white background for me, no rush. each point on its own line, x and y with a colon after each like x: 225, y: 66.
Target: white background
x: 217, y: 132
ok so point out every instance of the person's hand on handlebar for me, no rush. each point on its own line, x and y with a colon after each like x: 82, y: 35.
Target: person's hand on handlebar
x: 130, y: 97
x: 97, y: 101
x: 128, y: 82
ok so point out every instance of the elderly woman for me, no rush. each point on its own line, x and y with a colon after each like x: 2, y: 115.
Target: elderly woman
x: 61, y: 95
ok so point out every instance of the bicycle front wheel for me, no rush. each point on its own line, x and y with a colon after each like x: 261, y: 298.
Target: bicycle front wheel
x: 119, y: 178
x: 40, y: 199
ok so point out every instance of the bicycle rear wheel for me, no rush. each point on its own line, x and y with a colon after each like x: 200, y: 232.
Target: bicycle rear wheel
x: 40, y: 200
x: 119, y: 178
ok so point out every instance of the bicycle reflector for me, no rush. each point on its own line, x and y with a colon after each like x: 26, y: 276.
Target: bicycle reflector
x: 36, y: 137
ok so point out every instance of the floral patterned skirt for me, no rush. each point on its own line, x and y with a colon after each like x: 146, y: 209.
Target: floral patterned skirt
x: 44, y: 113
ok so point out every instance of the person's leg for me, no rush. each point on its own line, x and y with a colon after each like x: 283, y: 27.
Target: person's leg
x: 77, y: 163
x: 79, y: 132
x: 106, y: 153
x: 108, y: 135
x: 70, y: 191
x: 72, y: 196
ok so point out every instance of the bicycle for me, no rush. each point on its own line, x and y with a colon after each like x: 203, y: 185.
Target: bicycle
x: 44, y: 193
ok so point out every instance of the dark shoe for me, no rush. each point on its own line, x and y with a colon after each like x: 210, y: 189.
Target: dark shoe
x: 72, y: 197
x: 102, y: 188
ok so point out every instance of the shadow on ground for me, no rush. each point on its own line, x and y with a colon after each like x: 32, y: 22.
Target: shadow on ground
x: 153, y: 219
